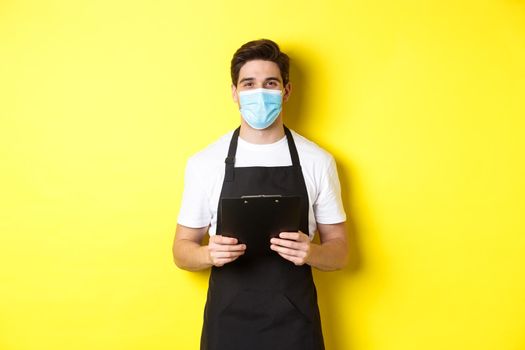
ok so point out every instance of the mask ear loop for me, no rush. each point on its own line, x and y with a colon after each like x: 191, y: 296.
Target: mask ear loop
x: 283, y: 92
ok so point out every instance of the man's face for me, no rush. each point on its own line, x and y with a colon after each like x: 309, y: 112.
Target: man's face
x: 260, y: 74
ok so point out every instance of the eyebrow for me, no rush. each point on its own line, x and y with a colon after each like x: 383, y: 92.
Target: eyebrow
x: 246, y: 79
x: 251, y: 79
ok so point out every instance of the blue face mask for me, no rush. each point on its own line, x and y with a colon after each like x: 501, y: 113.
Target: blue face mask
x: 260, y: 107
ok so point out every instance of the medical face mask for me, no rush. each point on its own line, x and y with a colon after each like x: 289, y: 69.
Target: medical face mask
x: 260, y: 107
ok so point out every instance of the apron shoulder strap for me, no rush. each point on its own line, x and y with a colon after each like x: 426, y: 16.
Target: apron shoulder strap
x: 230, y: 159
x: 291, y: 146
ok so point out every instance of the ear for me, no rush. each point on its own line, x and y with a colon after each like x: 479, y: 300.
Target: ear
x: 287, y: 91
x: 235, y: 97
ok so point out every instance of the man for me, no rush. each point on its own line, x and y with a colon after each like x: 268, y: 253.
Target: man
x: 272, y: 304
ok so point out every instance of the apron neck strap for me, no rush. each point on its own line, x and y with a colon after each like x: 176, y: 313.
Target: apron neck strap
x: 230, y: 159
x: 291, y: 146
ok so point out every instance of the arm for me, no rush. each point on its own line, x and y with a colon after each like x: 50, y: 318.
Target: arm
x: 331, y: 254
x: 189, y: 254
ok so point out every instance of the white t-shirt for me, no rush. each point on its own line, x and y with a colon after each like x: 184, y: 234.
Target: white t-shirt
x: 204, y: 177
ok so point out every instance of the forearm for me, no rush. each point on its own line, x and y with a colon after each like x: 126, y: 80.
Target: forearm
x: 191, y: 256
x: 328, y: 256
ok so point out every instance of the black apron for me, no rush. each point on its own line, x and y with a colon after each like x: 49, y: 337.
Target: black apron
x: 268, y: 303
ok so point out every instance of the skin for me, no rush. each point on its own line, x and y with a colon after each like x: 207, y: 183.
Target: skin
x: 331, y: 254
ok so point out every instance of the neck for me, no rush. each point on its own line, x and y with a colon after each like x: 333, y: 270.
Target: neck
x: 271, y: 134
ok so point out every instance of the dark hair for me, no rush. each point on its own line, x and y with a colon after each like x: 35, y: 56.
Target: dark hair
x: 262, y: 49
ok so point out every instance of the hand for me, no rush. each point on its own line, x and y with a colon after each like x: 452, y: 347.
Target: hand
x: 293, y: 246
x: 223, y: 250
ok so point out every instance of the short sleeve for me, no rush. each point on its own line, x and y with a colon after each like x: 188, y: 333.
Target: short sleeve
x: 328, y: 207
x: 195, y: 210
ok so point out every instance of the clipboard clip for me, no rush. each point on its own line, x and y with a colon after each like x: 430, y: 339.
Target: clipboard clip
x: 276, y: 196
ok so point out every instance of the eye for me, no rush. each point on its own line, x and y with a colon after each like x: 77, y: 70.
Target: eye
x: 272, y: 84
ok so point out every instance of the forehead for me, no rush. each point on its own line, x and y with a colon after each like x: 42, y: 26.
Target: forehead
x: 259, y: 69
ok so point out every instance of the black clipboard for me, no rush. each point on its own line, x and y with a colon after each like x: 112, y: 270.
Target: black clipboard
x: 253, y: 220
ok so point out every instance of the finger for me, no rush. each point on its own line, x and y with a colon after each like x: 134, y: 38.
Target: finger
x: 287, y: 243
x: 297, y: 261
x: 287, y: 251
x: 223, y: 261
x: 296, y: 236
x: 227, y: 247
x: 219, y: 255
x: 223, y: 239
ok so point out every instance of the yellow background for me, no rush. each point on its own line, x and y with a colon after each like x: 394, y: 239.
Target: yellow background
x: 421, y: 103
